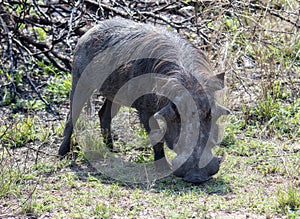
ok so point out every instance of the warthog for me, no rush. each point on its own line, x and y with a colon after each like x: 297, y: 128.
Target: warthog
x: 161, y: 75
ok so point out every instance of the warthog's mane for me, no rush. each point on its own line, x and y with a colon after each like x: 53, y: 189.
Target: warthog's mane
x: 118, y: 41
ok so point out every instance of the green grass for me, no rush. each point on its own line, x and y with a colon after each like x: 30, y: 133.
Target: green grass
x: 289, y: 200
x: 19, y: 133
x: 257, y: 178
x: 59, y: 88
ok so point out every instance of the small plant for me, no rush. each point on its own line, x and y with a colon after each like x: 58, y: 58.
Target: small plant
x: 40, y: 33
x: 59, y: 88
x: 29, y: 105
x: 10, y: 176
x: 101, y: 210
x: 7, y: 94
x: 272, y: 116
x: 289, y: 200
x: 231, y: 129
x: 18, y: 132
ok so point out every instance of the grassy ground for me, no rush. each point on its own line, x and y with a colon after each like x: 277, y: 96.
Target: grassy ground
x: 260, y: 177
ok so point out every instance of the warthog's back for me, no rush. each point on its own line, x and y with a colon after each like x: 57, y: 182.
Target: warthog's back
x: 127, y: 40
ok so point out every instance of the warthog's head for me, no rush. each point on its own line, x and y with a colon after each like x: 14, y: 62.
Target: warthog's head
x: 192, y: 133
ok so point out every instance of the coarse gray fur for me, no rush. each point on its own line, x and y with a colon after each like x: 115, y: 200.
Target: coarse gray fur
x: 116, y: 52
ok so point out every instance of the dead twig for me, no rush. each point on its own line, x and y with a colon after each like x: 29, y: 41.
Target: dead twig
x: 40, y: 95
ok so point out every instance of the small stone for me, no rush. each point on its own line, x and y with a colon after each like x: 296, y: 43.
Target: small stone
x: 296, y: 148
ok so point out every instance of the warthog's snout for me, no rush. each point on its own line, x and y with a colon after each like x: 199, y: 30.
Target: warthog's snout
x: 199, y: 175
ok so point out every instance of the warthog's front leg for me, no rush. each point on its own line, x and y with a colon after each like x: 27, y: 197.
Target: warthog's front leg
x: 77, y: 100
x: 65, y: 145
x: 150, y: 124
x: 156, y: 137
x: 106, y: 114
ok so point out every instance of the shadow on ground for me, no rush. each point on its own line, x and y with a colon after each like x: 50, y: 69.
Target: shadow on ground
x: 217, y: 185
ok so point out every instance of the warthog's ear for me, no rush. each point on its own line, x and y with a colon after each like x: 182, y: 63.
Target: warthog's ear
x: 216, y: 82
x: 167, y: 112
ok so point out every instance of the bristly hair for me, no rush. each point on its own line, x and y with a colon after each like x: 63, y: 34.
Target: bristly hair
x: 120, y: 41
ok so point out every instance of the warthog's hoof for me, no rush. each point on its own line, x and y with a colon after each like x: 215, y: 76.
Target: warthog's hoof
x: 64, y: 148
